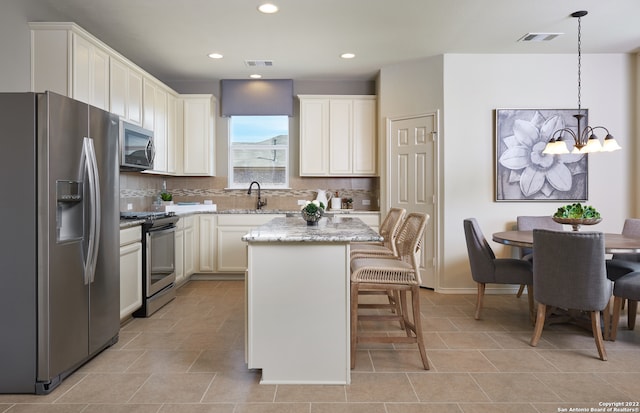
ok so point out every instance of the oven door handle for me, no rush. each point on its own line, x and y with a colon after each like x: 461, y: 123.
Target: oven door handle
x: 162, y: 230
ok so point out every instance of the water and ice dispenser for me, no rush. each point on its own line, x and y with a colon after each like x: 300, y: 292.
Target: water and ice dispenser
x: 70, y: 211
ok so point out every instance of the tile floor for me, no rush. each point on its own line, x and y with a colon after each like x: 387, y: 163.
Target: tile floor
x: 189, y: 357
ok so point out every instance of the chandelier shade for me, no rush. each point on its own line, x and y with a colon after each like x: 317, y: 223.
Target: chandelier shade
x: 585, y: 139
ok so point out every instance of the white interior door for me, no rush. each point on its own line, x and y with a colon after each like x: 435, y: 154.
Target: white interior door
x: 412, y: 183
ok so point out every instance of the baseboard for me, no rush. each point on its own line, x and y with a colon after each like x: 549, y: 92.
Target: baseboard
x: 473, y: 290
x: 218, y: 277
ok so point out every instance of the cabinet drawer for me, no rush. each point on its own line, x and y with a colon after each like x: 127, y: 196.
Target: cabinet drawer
x: 130, y: 235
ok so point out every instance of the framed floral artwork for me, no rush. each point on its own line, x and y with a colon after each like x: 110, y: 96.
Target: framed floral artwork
x: 523, y: 172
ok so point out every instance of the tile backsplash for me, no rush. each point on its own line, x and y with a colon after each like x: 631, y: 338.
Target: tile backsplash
x: 141, y: 190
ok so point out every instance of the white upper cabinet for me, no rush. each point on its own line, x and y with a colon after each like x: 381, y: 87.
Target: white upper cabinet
x: 90, y: 73
x: 156, y: 118
x: 125, y: 91
x: 67, y: 60
x: 198, y: 132
x: 175, y: 122
x: 314, y: 136
x: 337, y: 135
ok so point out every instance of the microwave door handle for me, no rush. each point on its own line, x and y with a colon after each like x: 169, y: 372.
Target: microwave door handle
x: 151, y: 148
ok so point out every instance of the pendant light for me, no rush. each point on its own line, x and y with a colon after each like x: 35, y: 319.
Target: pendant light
x: 585, y: 140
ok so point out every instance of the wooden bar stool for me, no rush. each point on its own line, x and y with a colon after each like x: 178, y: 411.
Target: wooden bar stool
x: 402, y: 274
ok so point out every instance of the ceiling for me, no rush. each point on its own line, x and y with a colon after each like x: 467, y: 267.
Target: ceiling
x: 172, y: 38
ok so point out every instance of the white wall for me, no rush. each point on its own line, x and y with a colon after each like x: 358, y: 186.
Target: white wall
x: 15, y: 41
x: 473, y: 87
x: 412, y: 88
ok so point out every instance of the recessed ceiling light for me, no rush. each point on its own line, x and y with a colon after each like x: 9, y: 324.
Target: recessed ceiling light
x: 255, y: 76
x: 215, y: 55
x: 539, y: 37
x: 268, y: 8
x: 347, y: 55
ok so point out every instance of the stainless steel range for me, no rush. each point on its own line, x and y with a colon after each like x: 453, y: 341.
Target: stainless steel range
x: 158, y: 259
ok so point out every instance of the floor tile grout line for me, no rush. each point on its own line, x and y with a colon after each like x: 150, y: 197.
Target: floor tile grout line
x: 140, y: 387
x: 215, y: 375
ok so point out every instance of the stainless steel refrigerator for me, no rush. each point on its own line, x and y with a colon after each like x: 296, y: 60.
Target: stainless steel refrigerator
x: 59, y: 251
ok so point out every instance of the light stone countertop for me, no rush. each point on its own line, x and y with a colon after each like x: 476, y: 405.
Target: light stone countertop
x: 127, y: 223
x: 336, y: 228
x: 277, y: 211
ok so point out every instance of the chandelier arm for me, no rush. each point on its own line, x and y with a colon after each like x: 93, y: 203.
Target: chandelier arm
x: 559, y: 132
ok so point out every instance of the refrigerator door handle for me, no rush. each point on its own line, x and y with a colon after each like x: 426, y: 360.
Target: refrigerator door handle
x: 94, y: 209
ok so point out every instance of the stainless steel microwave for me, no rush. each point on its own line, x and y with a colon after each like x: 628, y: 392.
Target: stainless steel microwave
x: 136, y: 148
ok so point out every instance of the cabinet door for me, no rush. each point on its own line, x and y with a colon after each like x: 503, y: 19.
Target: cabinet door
x: 134, y: 96
x: 340, y: 136
x: 174, y: 134
x: 364, y: 137
x: 90, y: 73
x: 179, y: 254
x: 118, y: 88
x: 125, y: 91
x: 189, y: 250
x: 148, y: 103
x: 198, y: 154
x: 314, y: 137
x: 207, y: 259
x: 232, y: 251
x: 160, y: 162
x: 130, y: 278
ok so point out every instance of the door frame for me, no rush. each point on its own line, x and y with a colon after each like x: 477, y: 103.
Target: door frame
x: 436, y: 220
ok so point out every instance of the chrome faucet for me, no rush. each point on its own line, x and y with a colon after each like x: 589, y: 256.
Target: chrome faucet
x: 260, y: 203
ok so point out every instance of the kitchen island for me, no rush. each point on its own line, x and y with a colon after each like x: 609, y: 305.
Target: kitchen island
x: 297, y: 288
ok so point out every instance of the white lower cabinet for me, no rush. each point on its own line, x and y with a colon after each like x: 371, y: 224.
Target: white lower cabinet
x: 130, y: 270
x: 232, y: 251
x: 212, y: 243
x: 185, y: 244
x: 206, y: 245
x: 190, y: 243
x: 179, y: 252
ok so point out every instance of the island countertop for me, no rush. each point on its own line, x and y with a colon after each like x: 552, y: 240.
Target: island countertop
x: 336, y: 228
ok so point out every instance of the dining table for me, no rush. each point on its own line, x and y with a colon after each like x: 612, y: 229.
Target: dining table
x: 613, y: 243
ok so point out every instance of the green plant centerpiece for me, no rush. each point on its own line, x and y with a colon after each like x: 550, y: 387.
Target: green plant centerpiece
x: 312, y: 211
x: 165, y: 196
x: 576, y: 215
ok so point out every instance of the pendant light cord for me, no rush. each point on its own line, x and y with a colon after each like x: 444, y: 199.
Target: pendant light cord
x: 579, y: 64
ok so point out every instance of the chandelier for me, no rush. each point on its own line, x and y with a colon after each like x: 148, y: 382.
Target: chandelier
x: 585, y: 140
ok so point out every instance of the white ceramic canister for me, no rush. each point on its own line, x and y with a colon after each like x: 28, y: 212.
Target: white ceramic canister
x: 336, y: 203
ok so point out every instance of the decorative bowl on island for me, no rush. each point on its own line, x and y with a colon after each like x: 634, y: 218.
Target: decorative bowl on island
x: 312, y: 211
x: 576, y: 215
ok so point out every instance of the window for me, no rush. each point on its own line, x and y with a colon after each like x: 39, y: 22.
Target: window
x: 259, y: 151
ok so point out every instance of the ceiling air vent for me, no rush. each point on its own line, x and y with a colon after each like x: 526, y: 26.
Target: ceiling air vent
x: 539, y: 37
x: 259, y: 63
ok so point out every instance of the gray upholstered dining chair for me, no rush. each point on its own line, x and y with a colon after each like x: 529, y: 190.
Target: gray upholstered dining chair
x: 529, y: 223
x: 621, y: 264
x: 626, y: 287
x: 569, y: 273
x: 487, y: 269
